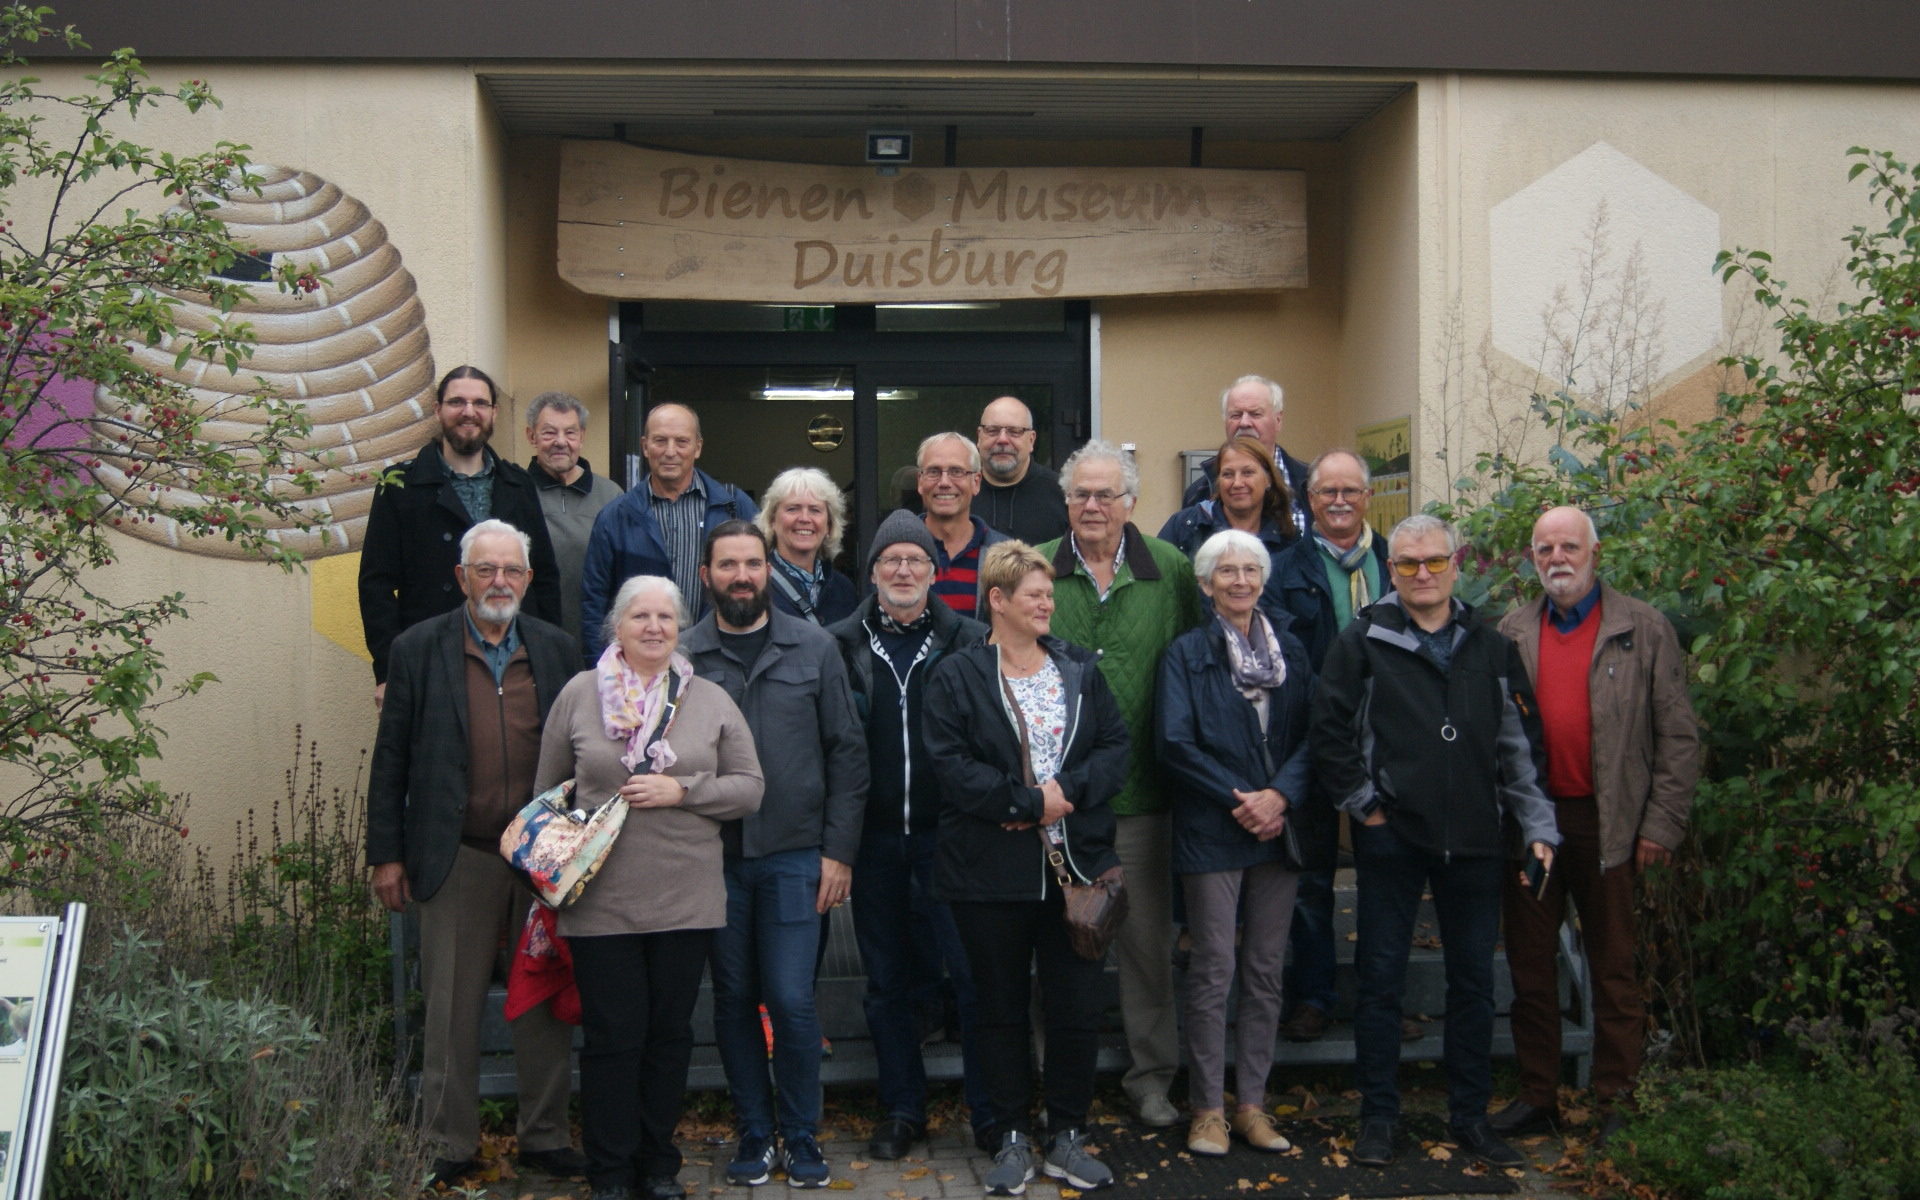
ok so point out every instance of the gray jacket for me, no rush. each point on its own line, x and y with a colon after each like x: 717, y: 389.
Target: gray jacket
x: 812, y: 749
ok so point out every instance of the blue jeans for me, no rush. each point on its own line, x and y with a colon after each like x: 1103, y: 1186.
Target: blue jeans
x: 1310, y: 973
x: 893, y: 909
x: 765, y: 955
x: 1466, y: 899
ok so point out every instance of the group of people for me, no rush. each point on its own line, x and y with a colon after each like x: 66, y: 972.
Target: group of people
x: 1024, y: 691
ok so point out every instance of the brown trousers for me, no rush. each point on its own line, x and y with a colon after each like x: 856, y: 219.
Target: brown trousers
x: 461, y: 931
x: 1604, y: 902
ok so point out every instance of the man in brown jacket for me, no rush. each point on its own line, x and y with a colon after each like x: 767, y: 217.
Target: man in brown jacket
x: 1622, y: 754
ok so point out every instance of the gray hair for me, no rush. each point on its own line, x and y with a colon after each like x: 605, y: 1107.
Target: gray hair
x: 1095, y: 451
x: 1420, y: 524
x: 973, y: 451
x: 1232, y: 541
x: 558, y: 402
x: 816, y: 483
x: 1593, y: 531
x: 1277, y: 397
x: 632, y: 588
x: 476, y: 532
x: 1366, y: 472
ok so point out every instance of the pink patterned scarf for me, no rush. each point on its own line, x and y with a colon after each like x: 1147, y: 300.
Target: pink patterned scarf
x: 630, y: 707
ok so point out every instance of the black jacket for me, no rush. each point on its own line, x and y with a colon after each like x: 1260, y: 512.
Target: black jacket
x: 1300, y: 579
x: 1210, y: 744
x: 977, y: 753
x: 812, y: 749
x: 1443, y: 754
x: 1033, y: 510
x: 412, y: 545
x: 901, y: 794
x: 417, y: 785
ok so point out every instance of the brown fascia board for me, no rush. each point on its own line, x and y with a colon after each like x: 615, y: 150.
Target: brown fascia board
x: 1840, y: 39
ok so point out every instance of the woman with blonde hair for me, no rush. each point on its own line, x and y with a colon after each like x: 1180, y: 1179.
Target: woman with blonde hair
x: 805, y: 518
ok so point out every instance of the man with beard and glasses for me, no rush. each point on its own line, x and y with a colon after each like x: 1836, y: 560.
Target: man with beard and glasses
x: 413, y: 530
x: 1623, y: 755
x: 467, y: 694
x: 1018, y: 496
x: 787, y: 864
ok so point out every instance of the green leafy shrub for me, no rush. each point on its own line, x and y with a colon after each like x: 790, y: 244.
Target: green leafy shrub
x: 173, y: 1090
x: 1781, y: 535
x: 1843, y: 1126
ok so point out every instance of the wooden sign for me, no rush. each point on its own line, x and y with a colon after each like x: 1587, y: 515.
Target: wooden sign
x: 644, y: 224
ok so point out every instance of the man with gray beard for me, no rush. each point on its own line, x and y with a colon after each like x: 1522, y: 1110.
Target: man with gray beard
x: 466, y: 695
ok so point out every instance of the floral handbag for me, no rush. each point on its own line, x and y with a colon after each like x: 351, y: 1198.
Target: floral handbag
x: 558, y: 848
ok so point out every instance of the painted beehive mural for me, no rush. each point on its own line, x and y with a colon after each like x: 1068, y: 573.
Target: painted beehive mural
x: 354, y: 353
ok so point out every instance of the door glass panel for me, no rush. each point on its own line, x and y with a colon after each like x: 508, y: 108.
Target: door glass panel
x: 984, y: 316
x: 909, y: 413
x: 713, y: 316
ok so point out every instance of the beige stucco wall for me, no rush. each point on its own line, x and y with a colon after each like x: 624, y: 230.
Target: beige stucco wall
x: 1766, y: 160
x: 408, y: 142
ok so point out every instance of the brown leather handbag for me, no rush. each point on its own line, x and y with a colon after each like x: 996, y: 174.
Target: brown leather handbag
x: 1094, y: 911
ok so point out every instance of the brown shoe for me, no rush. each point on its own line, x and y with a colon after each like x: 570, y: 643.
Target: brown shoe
x: 1208, y: 1134
x: 1255, y: 1127
x: 1307, y: 1024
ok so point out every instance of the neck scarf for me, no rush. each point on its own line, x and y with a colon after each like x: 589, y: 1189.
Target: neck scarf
x: 888, y: 624
x: 1254, y: 657
x: 809, y: 582
x: 1353, y: 562
x: 631, y: 706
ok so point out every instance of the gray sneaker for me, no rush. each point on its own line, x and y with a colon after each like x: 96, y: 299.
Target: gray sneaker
x: 1068, y: 1159
x: 1012, y: 1165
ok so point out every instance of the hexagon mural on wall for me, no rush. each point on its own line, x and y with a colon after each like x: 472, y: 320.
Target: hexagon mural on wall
x: 1601, y: 262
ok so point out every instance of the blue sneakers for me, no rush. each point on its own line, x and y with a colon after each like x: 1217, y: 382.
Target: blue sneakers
x: 753, y: 1159
x: 806, y: 1167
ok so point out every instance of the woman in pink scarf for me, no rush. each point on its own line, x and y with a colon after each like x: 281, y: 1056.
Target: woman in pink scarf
x: 641, y: 725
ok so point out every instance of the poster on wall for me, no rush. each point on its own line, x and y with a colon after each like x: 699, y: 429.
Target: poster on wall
x: 38, y: 958
x: 1388, y: 449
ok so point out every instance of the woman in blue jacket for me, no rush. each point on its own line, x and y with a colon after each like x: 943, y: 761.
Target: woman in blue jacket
x: 1232, y: 728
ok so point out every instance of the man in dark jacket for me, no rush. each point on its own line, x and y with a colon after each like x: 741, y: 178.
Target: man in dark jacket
x: 890, y: 644
x: 453, y: 762
x: 659, y: 526
x: 789, y: 862
x: 1322, y: 580
x: 413, y: 531
x: 1425, y: 734
x: 1254, y: 406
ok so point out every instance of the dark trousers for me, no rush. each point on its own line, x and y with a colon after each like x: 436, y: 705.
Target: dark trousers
x: 1466, y: 898
x: 1604, y: 900
x: 766, y: 955
x: 893, y: 911
x: 637, y: 992
x: 1007, y: 945
x: 1310, y: 971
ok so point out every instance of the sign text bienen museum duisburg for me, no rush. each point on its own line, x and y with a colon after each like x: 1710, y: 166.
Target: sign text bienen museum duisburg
x: 638, y: 223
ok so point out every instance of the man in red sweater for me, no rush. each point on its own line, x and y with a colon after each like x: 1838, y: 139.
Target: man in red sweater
x: 1623, y: 754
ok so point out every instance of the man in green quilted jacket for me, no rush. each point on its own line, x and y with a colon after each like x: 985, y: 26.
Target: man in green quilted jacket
x: 1128, y: 595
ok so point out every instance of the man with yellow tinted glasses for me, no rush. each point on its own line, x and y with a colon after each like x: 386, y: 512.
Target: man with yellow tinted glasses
x: 1424, y: 733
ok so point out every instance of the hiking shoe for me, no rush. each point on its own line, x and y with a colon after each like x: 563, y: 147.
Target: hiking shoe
x: 1012, y: 1165
x: 806, y: 1167
x: 1374, y: 1146
x: 1069, y: 1159
x: 753, y: 1159
x: 1308, y: 1023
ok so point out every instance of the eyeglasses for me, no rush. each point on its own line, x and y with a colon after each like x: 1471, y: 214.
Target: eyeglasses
x: 463, y: 402
x: 485, y: 572
x: 1340, y: 493
x: 1103, y: 498
x: 994, y: 431
x: 1237, y: 571
x: 932, y: 474
x: 1409, y: 567
x: 912, y: 562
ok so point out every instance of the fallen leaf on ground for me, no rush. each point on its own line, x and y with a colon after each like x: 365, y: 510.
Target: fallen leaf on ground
x: 1245, y: 1185
x: 857, y: 1165
x: 1337, y: 1159
x: 1439, y: 1153
x: 916, y: 1173
x: 841, y: 1185
x: 1285, y: 1110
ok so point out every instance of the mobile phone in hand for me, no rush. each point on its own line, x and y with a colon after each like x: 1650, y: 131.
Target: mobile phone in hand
x: 1536, y: 874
